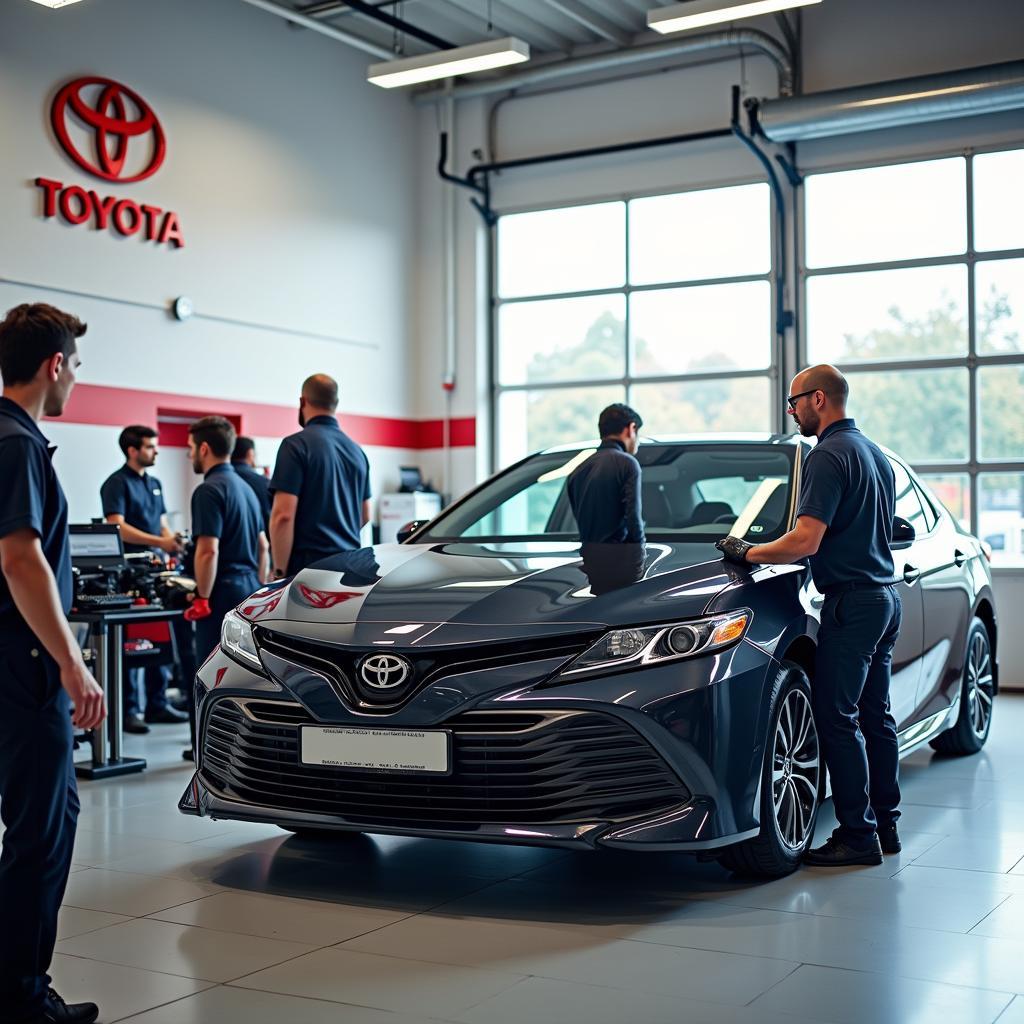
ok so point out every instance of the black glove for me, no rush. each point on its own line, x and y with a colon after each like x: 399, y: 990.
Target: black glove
x: 734, y: 550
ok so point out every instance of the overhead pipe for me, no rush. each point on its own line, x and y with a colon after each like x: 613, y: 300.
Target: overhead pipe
x: 337, y: 34
x: 615, y: 59
x: 895, y: 104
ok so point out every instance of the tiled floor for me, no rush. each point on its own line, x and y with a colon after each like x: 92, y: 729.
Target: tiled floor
x: 174, y: 920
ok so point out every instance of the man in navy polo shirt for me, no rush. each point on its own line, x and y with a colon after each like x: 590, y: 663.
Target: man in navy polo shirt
x: 844, y: 525
x: 134, y: 500
x: 231, y: 548
x: 243, y: 458
x: 44, y: 684
x: 321, y: 485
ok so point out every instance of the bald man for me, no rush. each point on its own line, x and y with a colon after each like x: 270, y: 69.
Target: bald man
x: 321, y: 485
x: 844, y: 526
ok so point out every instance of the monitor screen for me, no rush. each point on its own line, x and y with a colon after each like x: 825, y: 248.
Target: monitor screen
x: 96, y: 545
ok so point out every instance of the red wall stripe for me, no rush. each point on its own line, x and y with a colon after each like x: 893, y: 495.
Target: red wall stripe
x: 106, y: 406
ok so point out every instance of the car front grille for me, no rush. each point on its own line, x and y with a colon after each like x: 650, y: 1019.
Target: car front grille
x: 511, y: 768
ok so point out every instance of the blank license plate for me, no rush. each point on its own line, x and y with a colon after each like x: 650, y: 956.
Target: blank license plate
x: 377, y: 750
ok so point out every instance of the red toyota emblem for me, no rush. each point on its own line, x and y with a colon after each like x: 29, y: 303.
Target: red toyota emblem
x: 114, y: 114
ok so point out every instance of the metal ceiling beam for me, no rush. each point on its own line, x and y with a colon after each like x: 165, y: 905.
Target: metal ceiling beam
x: 512, y: 22
x: 339, y: 35
x: 614, y: 60
x: 400, y: 25
x: 337, y: 8
x: 591, y: 20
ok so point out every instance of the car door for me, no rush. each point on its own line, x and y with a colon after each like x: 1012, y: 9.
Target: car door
x: 947, y: 596
x: 906, y: 656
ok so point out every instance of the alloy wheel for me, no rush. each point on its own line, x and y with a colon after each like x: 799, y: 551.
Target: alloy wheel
x: 796, y: 771
x: 979, y: 685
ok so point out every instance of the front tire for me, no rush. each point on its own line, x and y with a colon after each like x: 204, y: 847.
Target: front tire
x: 791, y: 783
x: 977, y: 690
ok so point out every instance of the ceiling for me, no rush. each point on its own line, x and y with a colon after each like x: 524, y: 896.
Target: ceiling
x: 553, y: 28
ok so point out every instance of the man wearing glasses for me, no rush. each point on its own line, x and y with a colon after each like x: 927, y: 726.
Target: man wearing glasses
x: 844, y: 525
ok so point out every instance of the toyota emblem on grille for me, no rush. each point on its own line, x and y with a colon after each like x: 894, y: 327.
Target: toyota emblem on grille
x: 384, y: 671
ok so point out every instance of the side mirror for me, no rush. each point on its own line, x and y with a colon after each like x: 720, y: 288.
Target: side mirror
x: 903, y: 534
x: 409, y: 529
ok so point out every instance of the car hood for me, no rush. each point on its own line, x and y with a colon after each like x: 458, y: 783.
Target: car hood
x: 455, y: 593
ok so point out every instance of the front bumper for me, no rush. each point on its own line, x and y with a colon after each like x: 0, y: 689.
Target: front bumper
x: 661, y: 759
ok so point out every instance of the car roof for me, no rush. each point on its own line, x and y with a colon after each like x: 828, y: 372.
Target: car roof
x: 667, y: 440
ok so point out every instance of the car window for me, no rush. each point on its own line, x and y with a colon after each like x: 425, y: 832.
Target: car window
x: 931, y: 517
x: 697, y: 491
x: 908, y: 504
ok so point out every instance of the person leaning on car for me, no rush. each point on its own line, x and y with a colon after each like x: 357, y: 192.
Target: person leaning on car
x: 604, y: 490
x: 844, y: 524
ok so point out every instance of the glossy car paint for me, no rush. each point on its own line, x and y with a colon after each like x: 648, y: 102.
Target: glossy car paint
x: 706, y: 716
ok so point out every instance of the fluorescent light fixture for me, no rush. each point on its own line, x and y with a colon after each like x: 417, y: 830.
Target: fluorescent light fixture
x: 699, y: 13
x: 462, y: 60
x: 55, y: 3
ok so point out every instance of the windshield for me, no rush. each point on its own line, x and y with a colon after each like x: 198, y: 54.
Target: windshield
x: 698, y: 492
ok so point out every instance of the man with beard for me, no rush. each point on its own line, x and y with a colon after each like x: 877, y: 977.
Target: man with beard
x: 844, y: 525
x: 44, y: 684
x: 231, y: 547
x: 321, y: 484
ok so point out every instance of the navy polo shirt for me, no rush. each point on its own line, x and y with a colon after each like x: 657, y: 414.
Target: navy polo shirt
x: 849, y: 485
x: 260, y: 487
x: 330, y: 475
x: 604, y: 493
x: 136, y: 496
x: 31, y: 498
x: 224, y: 506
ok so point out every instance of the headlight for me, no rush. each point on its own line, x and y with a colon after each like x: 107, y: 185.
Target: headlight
x: 236, y: 640
x: 649, y: 645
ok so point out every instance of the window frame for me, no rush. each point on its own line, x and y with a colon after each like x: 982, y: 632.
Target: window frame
x: 772, y: 373
x: 973, y: 361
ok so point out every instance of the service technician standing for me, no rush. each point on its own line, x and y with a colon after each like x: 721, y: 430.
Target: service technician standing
x: 321, y: 485
x: 231, y: 547
x: 42, y: 673
x: 844, y: 525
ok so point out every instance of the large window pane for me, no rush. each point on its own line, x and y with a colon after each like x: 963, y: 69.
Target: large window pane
x: 954, y: 491
x: 886, y: 213
x: 712, y: 327
x: 887, y: 314
x: 999, y: 301
x: 581, y: 248
x: 922, y: 415
x: 562, y: 339
x: 691, y: 236
x: 1001, y: 412
x: 531, y: 420
x: 998, y: 210
x: 1001, y: 516
x: 692, y: 407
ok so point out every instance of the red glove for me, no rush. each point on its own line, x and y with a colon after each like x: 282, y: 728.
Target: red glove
x: 198, y: 609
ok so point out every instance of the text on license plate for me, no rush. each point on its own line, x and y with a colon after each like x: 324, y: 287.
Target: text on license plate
x: 380, y: 750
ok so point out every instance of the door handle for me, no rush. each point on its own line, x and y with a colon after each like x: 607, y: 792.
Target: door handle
x: 959, y: 558
x: 911, y: 574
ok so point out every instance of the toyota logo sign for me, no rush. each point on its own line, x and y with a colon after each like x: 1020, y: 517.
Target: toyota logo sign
x: 384, y: 671
x: 118, y: 119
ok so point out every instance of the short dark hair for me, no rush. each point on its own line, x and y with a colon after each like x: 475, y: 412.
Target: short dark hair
x: 243, y: 445
x: 321, y: 391
x: 133, y: 436
x: 32, y: 333
x: 217, y: 432
x: 616, y: 418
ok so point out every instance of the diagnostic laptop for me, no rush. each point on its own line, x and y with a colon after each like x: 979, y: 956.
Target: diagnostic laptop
x: 96, y: 547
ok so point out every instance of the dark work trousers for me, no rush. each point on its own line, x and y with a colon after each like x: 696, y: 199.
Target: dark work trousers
x: 228, y: 592
x: 39, y: 807
x: 859, y: 628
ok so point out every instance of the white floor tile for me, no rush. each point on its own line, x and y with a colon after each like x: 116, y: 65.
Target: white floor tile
x: 118, y: 892
x: 74, y: 921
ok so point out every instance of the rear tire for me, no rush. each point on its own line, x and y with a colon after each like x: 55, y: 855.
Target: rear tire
x: 972, y: 726
x: 791, y: 783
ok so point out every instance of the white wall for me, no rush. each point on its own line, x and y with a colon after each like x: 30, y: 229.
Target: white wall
x: 294, y: 182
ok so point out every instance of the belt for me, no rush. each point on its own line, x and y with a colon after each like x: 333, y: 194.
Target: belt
x: 842, y: 588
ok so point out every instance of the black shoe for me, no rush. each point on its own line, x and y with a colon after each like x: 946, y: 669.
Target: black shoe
x: 166, y: 716
x: 136, y: 724
x: 835, y: 853
x: 56, y: 1011
x: 188, y: 754
x: 889, y: 839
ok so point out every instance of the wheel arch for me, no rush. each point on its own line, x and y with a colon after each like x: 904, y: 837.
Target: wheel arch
x: 801, y: 650
x: 985, y: 610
